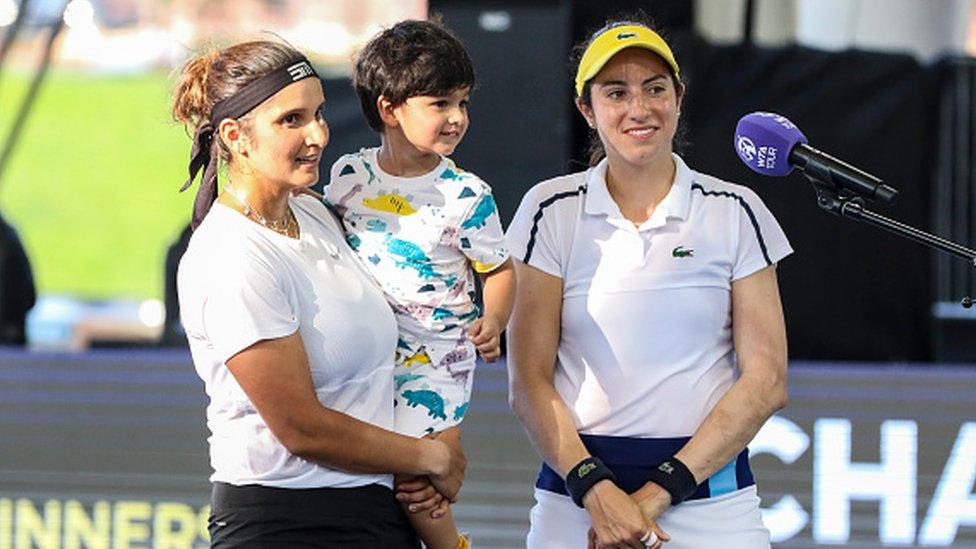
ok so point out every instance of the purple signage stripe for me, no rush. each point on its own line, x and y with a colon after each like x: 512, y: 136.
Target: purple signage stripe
x: 100, y: 398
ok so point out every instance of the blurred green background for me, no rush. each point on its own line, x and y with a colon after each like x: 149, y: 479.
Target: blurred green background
x: 92, y: 185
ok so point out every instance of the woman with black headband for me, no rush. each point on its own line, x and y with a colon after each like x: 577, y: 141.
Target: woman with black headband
x: 293, y: 341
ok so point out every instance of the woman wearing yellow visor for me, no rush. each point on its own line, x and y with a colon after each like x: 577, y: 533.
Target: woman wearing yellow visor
x: 647, y: 346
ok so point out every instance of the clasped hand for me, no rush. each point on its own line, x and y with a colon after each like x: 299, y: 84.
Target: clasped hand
x: 624, y: 521
x: 435, y: 492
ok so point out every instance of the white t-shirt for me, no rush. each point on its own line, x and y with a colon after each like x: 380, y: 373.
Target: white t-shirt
x: 646, y: 342
x: 240, y: 283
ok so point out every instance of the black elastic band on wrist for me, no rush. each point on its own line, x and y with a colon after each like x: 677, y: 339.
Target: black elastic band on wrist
x: 676, y: 478
x: 581, y: 478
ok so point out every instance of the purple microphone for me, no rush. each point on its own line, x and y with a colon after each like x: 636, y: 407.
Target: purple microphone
x: 763, y: 140
x: 772, y: 145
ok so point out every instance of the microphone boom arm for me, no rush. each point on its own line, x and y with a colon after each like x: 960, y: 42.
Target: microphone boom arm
x: 831, y: 200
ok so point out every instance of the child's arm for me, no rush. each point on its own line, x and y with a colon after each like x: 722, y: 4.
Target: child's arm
x: 499, y: 294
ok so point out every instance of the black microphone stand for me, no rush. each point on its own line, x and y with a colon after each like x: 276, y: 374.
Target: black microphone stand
x: 846, y: 204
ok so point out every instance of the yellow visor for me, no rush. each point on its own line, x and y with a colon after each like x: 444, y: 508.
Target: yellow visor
x: 611, y: 41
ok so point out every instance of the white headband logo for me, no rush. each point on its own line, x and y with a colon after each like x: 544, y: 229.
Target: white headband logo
x: 300, y: 70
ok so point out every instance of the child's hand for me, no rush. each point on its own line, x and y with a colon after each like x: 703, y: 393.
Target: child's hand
x: 485, y: 335
x: 419, y: 495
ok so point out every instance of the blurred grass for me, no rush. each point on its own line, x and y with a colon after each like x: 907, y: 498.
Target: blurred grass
x: 92, y: 185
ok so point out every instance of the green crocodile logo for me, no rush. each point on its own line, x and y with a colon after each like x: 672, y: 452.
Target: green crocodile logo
x: 626, y: 35
x: 679, y: 252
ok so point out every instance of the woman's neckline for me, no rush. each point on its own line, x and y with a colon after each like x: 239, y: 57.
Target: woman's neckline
x: 267, y: 230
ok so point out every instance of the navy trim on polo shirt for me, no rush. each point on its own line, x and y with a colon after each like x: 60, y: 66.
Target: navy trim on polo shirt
x: 745, y: 206
x: 631, y: 458
x: 538, y: 217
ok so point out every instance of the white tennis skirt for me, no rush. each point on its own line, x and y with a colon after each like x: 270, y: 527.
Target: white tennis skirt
x: 729, y: 521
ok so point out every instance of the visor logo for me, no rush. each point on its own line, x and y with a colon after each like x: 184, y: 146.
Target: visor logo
x: 300, y: 70
x: 626, y: 35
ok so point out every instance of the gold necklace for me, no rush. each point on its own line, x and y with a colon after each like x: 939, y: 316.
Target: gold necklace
x: 287, y: 225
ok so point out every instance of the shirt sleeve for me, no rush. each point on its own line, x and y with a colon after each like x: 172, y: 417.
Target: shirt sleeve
x: 532, y: 236
x: 346, y: 179
x: 246, y: 304
x: 761, y: 241
x: 331, y: 186
x: 482, y: 239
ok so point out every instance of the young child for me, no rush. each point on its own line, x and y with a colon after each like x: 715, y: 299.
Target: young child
x: 422, y: 227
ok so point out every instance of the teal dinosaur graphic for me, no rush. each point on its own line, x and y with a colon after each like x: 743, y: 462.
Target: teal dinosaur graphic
x: 369, y: 170
x: 402, y: 379
x: 679, y: 251
x: 376, y: 225
x: 428, y: 399
x: 413, y: 256
x: 460, y: 411
x: 354, y: 241
x: 347, y: 169
x: 481, y: 213
x: 466, y: 193
x: 441, y: 313
x: 450, y: 175
x: 472, y: 315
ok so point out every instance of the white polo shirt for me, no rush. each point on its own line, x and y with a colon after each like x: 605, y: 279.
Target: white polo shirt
x: 240, y: 283
x: 646, y: 343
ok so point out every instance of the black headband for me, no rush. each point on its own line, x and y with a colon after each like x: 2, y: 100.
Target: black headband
x: 203, y: 153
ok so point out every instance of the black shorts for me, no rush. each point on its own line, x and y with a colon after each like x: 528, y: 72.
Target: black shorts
x: 262, y: 516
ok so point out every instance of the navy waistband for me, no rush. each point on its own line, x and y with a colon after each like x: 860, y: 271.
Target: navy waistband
x: 631, y: 458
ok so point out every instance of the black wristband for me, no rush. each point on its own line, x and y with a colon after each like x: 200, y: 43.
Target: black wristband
x: 581, y: 478
x: 674, y: 476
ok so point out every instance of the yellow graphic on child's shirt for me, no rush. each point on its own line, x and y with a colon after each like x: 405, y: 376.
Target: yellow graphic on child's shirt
x: 480, y: 267
x: 418, y: 358
x: 392, y: 203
